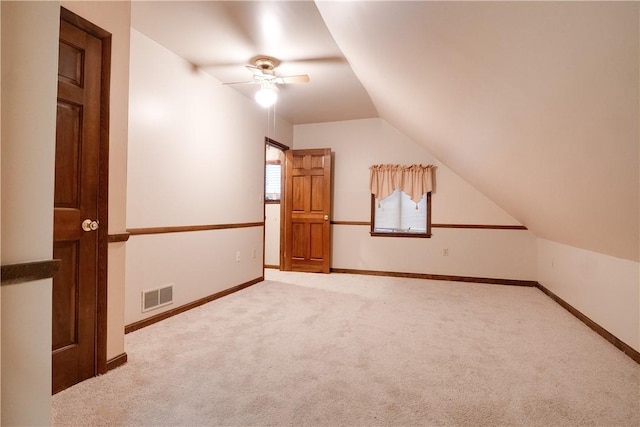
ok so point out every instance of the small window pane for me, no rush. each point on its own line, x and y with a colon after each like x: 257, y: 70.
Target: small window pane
x: 388, y: 213
x: 413, y: 216
x: 272, y: 181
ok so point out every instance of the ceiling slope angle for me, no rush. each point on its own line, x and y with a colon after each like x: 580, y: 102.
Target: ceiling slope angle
x: 223, y: 37
x: 536, y: 104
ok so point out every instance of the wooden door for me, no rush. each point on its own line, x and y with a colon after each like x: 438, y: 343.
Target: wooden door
x: 307, y: 211
x: 76, y: 219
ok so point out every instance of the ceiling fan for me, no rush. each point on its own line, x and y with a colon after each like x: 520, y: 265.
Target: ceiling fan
x: 264, y: 74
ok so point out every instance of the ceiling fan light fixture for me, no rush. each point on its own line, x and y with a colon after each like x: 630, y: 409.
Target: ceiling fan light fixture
x: 267, y: 95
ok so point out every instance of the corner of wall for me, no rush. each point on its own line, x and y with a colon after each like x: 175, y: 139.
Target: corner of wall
x: 29, y: 70
x: 603, y: 288
x: 0, y: 206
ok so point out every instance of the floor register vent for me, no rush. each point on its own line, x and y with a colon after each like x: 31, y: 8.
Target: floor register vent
x: 155, y: 298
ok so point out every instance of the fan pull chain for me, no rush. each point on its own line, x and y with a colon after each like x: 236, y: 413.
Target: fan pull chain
x: 268, y: 123
x: 274, y: 119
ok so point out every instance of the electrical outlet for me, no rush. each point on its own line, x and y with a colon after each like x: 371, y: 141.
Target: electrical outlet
x: 238, y: 256
x: 445, y: 252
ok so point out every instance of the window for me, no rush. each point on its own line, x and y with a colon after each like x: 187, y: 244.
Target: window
x: 401, y: 200
x: 272, y: 181
x: 399, y: 216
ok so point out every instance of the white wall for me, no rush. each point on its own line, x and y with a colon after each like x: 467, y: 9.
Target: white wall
x: 272, y: 234
x: 196, y: 157
x: 604, y: 288
x: 114, y: 17
x: 499, y: 254
x: 29, y: 77
x: 358, y: 144
x: 198, y: 264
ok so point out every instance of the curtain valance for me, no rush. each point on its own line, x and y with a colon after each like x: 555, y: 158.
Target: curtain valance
x: 415, y: 180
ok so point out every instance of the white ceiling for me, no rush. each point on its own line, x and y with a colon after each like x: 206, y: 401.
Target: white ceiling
x: 536, y: 104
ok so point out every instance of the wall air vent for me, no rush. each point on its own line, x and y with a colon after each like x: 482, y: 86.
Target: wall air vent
x: 158, y: 297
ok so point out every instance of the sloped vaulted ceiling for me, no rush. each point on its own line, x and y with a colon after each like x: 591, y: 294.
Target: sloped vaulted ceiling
x: 536, y: 104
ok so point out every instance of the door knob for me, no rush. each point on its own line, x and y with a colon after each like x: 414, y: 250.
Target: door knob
x: 89, y: 225
x: 326, y: 217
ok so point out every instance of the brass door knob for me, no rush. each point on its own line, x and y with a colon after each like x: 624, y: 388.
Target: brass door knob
x: 89, y: 225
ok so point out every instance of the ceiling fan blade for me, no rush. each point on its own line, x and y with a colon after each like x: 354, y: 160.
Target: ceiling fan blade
x: 250, y: 82
x: 302, y: 78
x: 336, y: 59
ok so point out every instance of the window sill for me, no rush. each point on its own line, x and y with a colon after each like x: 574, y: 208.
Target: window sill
x: 272, y: 202
x: 418, y: 235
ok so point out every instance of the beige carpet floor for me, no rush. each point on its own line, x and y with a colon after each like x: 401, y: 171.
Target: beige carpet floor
x: 329, y: 350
